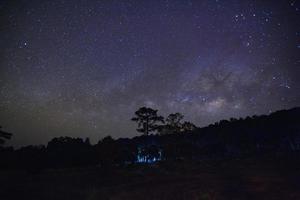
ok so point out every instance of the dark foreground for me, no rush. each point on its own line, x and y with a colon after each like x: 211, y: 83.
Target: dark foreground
x: 207, y: 180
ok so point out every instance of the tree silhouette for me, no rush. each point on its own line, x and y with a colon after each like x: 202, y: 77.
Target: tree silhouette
x: 188, y: 126
x: 174, y: 122
x: 68, y: 151
x: 147, y: 120
x: 107, y: 151
x: 4, y: 136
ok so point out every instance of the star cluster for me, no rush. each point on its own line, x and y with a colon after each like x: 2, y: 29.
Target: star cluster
x: 81, y: 68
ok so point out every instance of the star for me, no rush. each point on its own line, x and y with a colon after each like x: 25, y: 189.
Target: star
x: 84, y: 67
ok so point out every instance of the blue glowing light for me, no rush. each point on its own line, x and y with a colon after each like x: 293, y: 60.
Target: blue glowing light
x: 146, y: 157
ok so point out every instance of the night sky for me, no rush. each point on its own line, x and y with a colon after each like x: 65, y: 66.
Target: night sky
x: 82, y: 68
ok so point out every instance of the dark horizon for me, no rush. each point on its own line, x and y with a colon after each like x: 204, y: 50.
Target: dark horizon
x: 95, y: 140
x: 9, y: 142
x: 81, y: 69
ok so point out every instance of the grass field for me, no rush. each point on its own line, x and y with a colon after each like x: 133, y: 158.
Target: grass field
x: 207, y: 180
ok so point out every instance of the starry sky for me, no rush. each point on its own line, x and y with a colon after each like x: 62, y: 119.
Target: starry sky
x: 82, y: 68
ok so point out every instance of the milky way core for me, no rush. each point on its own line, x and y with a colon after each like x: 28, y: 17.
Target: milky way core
x: 82, y: 68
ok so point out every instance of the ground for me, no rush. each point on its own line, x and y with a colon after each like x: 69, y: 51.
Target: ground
x: 177, y: 180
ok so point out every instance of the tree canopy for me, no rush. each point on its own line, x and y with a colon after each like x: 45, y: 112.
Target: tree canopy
x: 147, y: 119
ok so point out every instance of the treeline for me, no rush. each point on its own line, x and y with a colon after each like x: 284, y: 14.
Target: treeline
x: 276, y: 134
x: 149, y: 121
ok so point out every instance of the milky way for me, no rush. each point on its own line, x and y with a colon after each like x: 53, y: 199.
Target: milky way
x: 81, y: 68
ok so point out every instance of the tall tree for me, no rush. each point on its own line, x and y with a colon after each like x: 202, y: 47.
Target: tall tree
x: 147, y: 119
x: 4, y: 136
